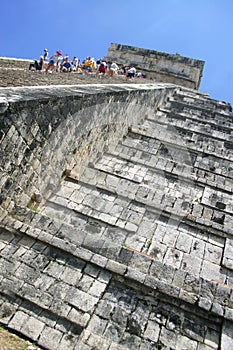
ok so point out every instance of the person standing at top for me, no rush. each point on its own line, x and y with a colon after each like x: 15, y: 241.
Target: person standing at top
x: 46, y: 54
x: 131, y: 72
x: 54, y: 61
x: 113, y: 69
x: 74, y: 63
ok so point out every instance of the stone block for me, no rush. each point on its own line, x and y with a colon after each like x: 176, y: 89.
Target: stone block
x: 152, y: 331
x: 184, y: 242
x: 192, y: 284
x: 78, y: 317
x: 173, y: 257
x: 183, y: 342
x: 85, y: 283
x: 222, y: 295
x: 116, y: 267
x: 104, y: 276
x: 83, y: 301
x: 212, y: 339
x: 217, y: 309
x: 125, y: 256
x: 92, y: 242
x: 179, y: 278
x: 54, y: 269
x: 150, y: 282
x: 50, y: 338
x: 213, y: 253
x: 98, y: 342
x: 205, y: 303
x: 168, y: 338
x: 135, y: 275
x: 208, y: 289
x: 113, y: 332
x: 130, y: 341
x: 228, y: 253
x: 121, y: 314
x: 229, y: 314
x: 227, y: 337
x: 62, y: 244
x: 140, y: 262
x: 105, y: 309
x: 97, y: 289
x: 188, y: 297
x: 68, y: 342
x: 99, y: 260
x: 92, y: 270
x: 116, y: 346
x: 211, y: 271
x: 59, y: 307
x: 97, y: 325
x: 70, y: 276
x: 32, y: 327
x: 6, y: 312
x: 20, y: 318
x: 83, y: 254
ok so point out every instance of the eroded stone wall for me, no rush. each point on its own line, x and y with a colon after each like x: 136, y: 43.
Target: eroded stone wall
x: 46, y: 131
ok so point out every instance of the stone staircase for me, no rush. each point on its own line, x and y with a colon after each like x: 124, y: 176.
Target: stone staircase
x: 136, y: 251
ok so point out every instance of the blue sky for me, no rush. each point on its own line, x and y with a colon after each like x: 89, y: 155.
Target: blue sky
x: 200, y: 29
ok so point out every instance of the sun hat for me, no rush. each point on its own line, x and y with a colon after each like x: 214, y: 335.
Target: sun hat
x: 59, y: 52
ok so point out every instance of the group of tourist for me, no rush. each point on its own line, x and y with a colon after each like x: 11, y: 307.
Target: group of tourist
x: 57, y: 61
x: 100, y: 67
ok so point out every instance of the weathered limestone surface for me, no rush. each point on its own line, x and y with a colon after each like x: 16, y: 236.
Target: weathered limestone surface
x: 161, y: 66
x: 131, y: 247
x: 46, y: 130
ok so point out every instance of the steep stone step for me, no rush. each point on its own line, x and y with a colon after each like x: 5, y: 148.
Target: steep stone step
x: 128, y: 331
x: 182, y: 91
x: 123, y: 187
x: 140, y: 181
x: 199, y: 101
x: 217, y: 120
x: 186, y: 139
x: 175, y: 162
x: 199, y: 126
x: 222, y: 117
x: 139, y: 278
x: 192, y: 133
x: 154, y: 190
x: 168, y: 161
x: 55, y: 293
x: 148, y: 271
x: 128, y: 264
x: 143, y: 149
x: 145, y: 230
x: 39, y: 329
x: 159, y: 190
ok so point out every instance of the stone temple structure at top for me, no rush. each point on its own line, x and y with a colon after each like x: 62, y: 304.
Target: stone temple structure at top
x: 161, y: 66
x: 116, y: 213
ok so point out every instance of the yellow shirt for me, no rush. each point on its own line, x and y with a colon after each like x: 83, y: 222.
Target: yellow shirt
x: 88, y: 63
